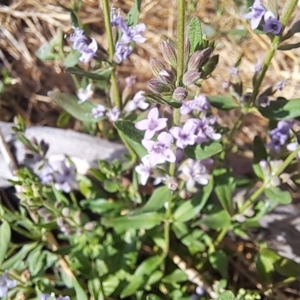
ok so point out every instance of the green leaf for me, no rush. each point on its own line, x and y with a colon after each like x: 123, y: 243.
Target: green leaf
x: 218, y: 220
x: 287, y: 267
x: 45, y: 52
x: 36, y: 260
x: 72, y: 59
x: 142, y: 274
x: 195, y: 34
x: 145, y: 221
x: 191, y: 208
x: 224, y: 188
x: 224, y: 102
x: 5, y: 236
x: 282, y: 109
x: 101, y: 206
x: 219, y: 262
x: 226, y: 296
x: 69, y: 103
x: 203, y: 151
x: 288, y: 47
x: 260, y: 153
x: 265, y: 261
x: 110, y: 186
x: 156, y: 201
x: 209, y: 67
x: 176, y: 276
x: 129, y: 130
x: 80, y: 293
x: 134, y: 13
x: 276, y: 195
x: 99, y: 76
x: 165, y: 100
x: 63, y: 120
x: 14, y: 260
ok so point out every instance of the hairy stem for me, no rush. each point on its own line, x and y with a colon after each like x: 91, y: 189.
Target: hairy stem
x: 180, y: 39
x: 111, y: 50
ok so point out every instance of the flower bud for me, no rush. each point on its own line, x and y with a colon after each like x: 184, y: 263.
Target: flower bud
x: 172, y: 183
x: 65, y: 212
x: 169, y: 53
x: 191, y: 77
x: 167, y: 76
x: 156, y: 66
x: 180, y: 94
x: 156, y: 86
x: 89, y: 226
x: 199, y: 59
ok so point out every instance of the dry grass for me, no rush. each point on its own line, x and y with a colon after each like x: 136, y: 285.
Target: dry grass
x: 27, y: 24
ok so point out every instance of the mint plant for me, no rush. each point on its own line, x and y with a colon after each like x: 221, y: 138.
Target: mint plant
x: 151, y: 225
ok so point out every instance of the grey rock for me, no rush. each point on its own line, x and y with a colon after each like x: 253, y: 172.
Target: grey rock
x: 84, y: 150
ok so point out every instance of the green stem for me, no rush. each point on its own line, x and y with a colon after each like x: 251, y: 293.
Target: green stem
x: 167, y: 226
x: 287, y: 11
x: 180, y: 39
x: 180, y: 63
x: 259, y: 191
x: 111, y: 51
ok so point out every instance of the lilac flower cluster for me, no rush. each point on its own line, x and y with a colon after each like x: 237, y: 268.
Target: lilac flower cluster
x: 280, y: 135
x: 6, y: 284
x: 61, y: 173
x: 194, y: 131
x: 129, y: 34
x: 259, y: 14
x: 85, y: 45
x: 52, y: 297
x: 100, y: 111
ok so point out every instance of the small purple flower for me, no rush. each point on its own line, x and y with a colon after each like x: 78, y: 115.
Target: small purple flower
x: 113, y: 114
x: 115, y: 17
x: 279, y: 86
x: 61, y: 173
x: 6, y: 284
x: 98, y: 111
x: 144, y: 169
x: 85, y: 94
x: 257, y: 66
x: 86, y: 46
x: 256, y: 14
x: 186, y: 135
x: 292, y: 147
x: 138, y: 101
x: 132, y: 33
x: 195, y: 172
x: 199, y: 103
x: 280, y: 135
x: 160, y: 151
x: 122, y: 51
x: 52, y: 296
x: 204, y: 129
x: 152, y: 124
x: 130, y: 81
x: 272, y: 25
x: 234, y: 71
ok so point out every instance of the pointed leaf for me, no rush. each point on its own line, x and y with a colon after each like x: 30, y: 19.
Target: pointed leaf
x: 276, y: 195
x: 5, y: 235
x: 145, y: 221
x: 129, y: 130
x: 134, y: 13
x: 203, y: 151
x: 156, y: 201
x: 72, y: 59
x: 70, y: 104
x: 224, y: 102
x: 282, y: 109
x: 166, y: 100
x: 99, y: 76
x: 195, y: 34
x: 219, y: 261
